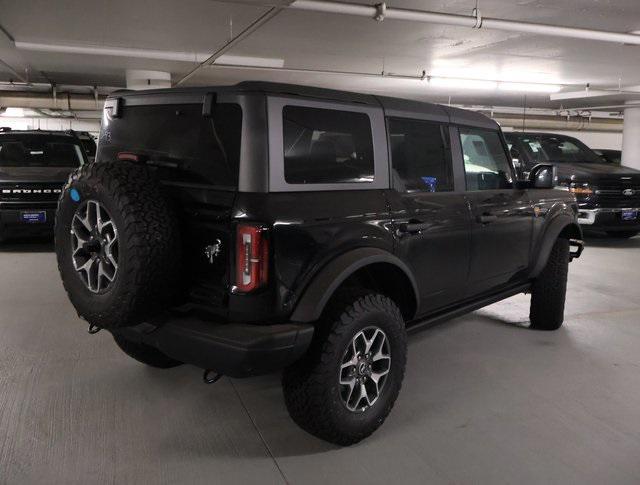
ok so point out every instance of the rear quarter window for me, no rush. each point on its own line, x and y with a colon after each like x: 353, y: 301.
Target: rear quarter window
x: 326, y: 146
x: 207, y: 149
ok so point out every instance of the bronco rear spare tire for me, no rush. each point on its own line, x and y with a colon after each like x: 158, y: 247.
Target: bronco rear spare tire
x: 117, y: 244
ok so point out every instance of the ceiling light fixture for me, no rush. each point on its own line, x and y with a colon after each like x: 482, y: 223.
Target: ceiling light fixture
x: 161, y: 55
x: 529, y: 87
x: 441, y: 82
x: 254, y: 61
x: 460, y: 83
x: 13, y: 113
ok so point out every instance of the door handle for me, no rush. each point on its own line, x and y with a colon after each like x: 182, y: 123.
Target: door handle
x: 487, y: 218
x: 413, y: 227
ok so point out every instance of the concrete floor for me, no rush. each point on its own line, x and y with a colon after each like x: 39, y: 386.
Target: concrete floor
x: 485, y: 400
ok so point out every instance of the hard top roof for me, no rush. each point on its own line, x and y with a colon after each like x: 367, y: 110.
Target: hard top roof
x: 398, y: 106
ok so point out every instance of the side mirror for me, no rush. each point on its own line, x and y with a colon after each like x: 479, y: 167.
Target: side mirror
x: 543, y: 176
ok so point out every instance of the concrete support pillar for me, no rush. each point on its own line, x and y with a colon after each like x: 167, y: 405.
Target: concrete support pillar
x: 143, y: 79
x: 631, y: 137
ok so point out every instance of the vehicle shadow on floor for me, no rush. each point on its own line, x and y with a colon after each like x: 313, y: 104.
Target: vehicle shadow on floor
x: 253, y: 408
x: 486, y: 314
x: 27, y: 246
x: 492, y: 319
x: 274, y: 432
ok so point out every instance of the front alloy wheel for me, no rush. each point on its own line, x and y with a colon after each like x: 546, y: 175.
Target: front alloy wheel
x: 94, y: 244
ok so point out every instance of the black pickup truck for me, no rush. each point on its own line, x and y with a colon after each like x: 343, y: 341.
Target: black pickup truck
x: 608, y: 195
x: 260, y: 227
x: 34, y: 166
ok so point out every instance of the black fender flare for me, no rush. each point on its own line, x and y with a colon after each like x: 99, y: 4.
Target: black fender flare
x: 555, y: 227
x: 323, y: 285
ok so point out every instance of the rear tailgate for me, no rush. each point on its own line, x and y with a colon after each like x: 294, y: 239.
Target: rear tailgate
x: 208, y: 236
x: 196, y: 154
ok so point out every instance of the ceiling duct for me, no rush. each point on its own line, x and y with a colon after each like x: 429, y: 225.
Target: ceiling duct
x: 380, y: 12
x: 43, y: 101
x: 555, y: 123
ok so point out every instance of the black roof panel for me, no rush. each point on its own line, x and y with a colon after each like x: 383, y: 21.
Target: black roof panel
x: 397, y: 106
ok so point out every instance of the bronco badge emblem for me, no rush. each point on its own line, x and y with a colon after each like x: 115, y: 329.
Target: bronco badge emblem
x: 628, y: 192
x: 213, y: 250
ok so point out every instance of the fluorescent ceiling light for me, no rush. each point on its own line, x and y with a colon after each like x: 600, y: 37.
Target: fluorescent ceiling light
x: 461, y: 83
x: 529, y: 87
x: 148, y: 54
x: 112, y: 51
x: 14, y: 113
x: 230, y: 60
x: 457, y: 83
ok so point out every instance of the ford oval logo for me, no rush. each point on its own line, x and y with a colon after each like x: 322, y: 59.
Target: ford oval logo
x: 628, y: 192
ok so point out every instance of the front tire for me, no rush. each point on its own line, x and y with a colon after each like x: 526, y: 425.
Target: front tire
x: 622, y: 234
x: 347, y: 384
x: 549, y: 290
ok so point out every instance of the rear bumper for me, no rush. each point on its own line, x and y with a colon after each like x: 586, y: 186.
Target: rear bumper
x: 609, y: 219
x: 233, y: 349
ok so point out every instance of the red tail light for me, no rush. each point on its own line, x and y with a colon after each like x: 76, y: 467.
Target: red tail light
x: 132, y: 157
x: 252, y: 258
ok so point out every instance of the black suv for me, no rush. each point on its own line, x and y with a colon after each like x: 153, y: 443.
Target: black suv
x: 608, y: 195
x: 34, y: 166
x: 261, y: 227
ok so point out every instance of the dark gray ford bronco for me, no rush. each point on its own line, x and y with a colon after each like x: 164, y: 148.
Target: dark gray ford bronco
x: 265, y: 227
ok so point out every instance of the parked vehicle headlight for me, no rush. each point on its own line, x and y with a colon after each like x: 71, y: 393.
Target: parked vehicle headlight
x: 580, y: 189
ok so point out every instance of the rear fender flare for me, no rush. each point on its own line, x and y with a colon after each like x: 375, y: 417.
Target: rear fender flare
x: 324, y: 284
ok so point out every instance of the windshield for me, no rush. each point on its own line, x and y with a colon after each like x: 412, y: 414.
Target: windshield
x: 39, y: 151
x: 557, y: 149
x: 611, y: 156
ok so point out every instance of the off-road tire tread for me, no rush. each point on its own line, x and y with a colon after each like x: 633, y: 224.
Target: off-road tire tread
x: 150, y: 233
x: 549, y: 289
x: 303, y: 383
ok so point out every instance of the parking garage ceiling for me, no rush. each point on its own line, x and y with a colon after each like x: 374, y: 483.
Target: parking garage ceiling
x: 45, y: 43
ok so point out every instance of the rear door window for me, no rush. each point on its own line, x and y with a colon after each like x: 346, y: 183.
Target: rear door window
x: 420, y: 156
x: 326, y: 146
x: 205, y: 148
x: 485, y: 161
